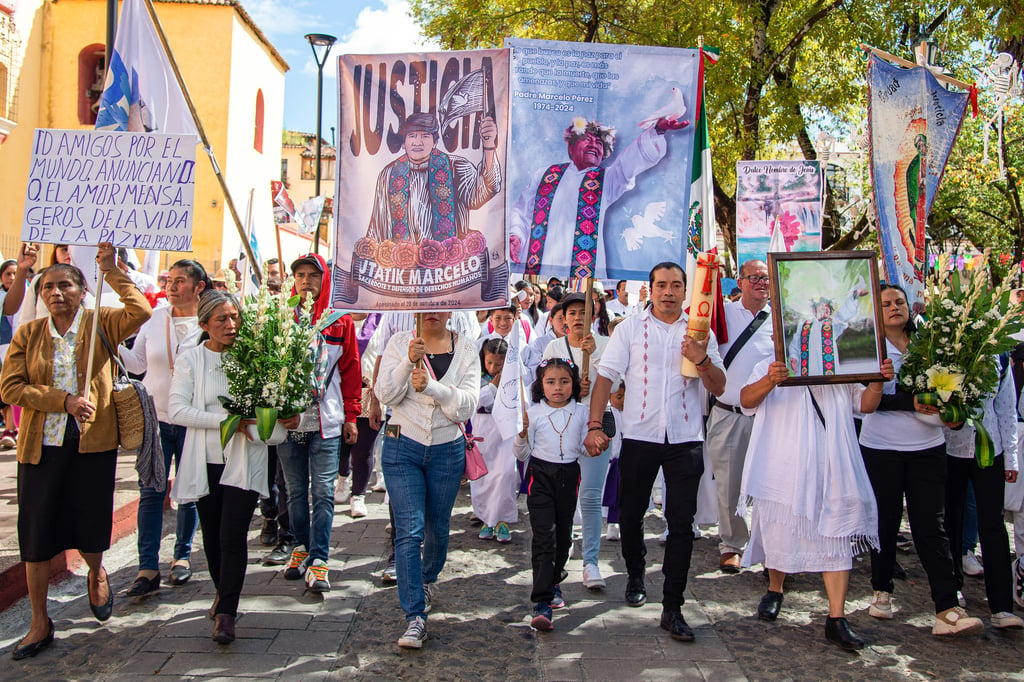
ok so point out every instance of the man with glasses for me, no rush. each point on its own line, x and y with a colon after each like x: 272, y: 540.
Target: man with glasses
x: 750, y: 341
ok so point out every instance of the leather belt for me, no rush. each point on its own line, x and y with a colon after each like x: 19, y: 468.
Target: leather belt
x: 730, y: 408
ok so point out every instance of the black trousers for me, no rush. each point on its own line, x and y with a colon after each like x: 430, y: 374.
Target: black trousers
x: 357, y: 458
x: 275, y: 506
x: 683, y: 464
x: 224, y: 516
x: 921, y: 475
x: 995, y: 544
x: 552, y: 493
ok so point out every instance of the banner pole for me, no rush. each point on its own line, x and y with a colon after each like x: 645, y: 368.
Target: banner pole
x: 92, y: 339
x: 202, y: 136
x: 911, y: 65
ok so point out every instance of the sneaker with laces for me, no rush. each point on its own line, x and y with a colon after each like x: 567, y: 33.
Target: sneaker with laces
x: 1018, y: 581
x: 542, y: 617
x: 9, y: 439
x: 881, y: 605
x: 357, y: 506
x: 558, y: 601
x: 415, y: 634
x: 1005, y: 619
x: 971, y: 565
x: 592, y: 579
x: 955, y: 621
x: 486, y: 533
x: 279, y: 556
x: 316, y: 577
x: 502, y: 533
x: 341, y: 490
x: 297, y: 564
x: 429, y: 592
x: 612, y: 533
x: 390, y: 574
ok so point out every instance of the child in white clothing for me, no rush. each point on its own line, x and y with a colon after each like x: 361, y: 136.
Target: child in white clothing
x: 494, y: 495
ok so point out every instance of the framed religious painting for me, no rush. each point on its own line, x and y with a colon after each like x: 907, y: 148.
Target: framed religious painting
x: 827, y: 316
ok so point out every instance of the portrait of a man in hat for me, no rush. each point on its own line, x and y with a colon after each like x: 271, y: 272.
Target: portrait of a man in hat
x: 559, y: 216
x: 426, y: 193
x: 814, y: 346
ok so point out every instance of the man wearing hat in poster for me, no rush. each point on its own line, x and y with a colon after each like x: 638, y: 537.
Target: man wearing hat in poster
x: 428, y: 194
x: 573, y: 198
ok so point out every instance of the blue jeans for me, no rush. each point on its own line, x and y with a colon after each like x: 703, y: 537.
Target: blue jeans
x: 151, y: 508
x: 593, y: 471
x: 310, y: 465
x: 423, y: 481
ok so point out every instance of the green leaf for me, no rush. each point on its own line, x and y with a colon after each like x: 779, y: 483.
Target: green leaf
x: 984, y: 448
x: 294, y: 300
x: 228, y: 428
x: 266, y: 418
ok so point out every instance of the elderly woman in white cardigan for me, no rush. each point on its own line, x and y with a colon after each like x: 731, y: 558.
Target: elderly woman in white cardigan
x: 224, y: 483
x: 432, y: 384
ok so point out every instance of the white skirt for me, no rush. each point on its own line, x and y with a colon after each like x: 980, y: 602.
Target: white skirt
x: 494, y: 495
x: 779, y: 546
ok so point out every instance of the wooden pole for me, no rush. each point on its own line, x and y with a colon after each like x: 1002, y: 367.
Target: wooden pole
x: 92, y: 339
x: 207, y: 147
x: 280, y: 254
x: 588, y: 319
x: 419, y: 330
x: 911, y: 65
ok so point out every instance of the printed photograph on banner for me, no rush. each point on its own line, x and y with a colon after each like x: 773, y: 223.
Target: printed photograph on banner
x: 90, y: 186
x: 827, y: 315
x: 914, y: 122
x: 420, y: 195
x: 778, y: 195
x: 600, y: 157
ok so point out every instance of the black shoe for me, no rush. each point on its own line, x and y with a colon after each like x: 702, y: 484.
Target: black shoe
x: 103, y: 611
x: 636, y: 593
x: 224, y: 628
x: 180, y: 574
x: 30, y: 650
x: 771, y: 604
x: 898, y: 572
x: 268, y: 535
x: 838, y: 630
x: 143, y: 586
x: 674, y: 622
x: 278, y: 556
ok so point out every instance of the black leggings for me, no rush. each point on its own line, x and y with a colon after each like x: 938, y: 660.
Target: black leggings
x: 357, y: 459
x: 225, y: 515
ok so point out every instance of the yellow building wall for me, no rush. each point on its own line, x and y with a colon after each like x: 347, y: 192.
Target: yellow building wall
x: 200, y: 39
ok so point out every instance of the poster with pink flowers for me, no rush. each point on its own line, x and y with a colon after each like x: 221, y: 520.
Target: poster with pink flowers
x: 778, y: 195
x: 420, y: 192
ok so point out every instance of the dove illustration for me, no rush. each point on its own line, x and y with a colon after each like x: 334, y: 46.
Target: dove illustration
x: 645, y: 226
x: 673, y: 111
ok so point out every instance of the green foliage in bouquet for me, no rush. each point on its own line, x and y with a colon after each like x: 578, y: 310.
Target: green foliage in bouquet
x: 951, y: 360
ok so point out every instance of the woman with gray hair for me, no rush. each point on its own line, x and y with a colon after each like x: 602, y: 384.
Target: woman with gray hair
x: 225, y: 483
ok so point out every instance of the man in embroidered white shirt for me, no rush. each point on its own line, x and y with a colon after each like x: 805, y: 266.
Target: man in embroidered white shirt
x: 663, y: 427
x: 728, y: 428
x: 576, y: 196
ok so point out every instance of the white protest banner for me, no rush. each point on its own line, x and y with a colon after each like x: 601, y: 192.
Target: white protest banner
x: 91, y: 186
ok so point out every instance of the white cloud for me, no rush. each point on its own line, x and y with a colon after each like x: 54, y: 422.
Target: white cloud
x: 279, y: 18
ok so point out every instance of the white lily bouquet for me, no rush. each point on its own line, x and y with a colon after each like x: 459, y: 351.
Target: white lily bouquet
x: 270, y: 365
x: 951, y: 360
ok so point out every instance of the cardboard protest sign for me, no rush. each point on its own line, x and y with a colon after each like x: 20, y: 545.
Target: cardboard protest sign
x: 784, y: 195
x: 419, y: 208
x: 90, y: 186
x: 615, y: 210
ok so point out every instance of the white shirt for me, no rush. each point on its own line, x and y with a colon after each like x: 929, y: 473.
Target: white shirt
x: 150, y: 353
x: 462, y: 322
x: 660, y: 402
x: 619, y: 177
x: 757, y: 348
x: 617, y: 309
x: 559, y: 348
x: 555, y: 434
x: 898, y: 430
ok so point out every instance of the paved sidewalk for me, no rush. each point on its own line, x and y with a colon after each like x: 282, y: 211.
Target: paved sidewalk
x: 479, y: 627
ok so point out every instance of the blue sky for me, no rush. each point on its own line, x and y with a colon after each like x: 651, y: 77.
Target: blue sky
x: 361, y: 26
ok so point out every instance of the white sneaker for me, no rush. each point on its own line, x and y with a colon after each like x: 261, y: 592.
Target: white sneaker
x: 971, y: 565
x: 1005, y: 619
x: 378, y: 485
x: 613, y: 532
x: 592, y: 579
x: 341, y: 490
x: 429, y: 592
x: 414, y: 635
x: 881, y: 605
x: 357, y: 507
x: 316, y: 577
x: 955, y: 621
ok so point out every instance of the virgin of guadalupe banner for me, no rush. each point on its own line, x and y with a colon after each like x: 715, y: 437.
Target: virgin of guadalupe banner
x: 420, y: 204
x: 913, y: 124
x: 778, y: 195
x: 600, y: 157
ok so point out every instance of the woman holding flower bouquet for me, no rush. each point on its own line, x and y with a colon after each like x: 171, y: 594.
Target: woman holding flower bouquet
x: 431, y: 381
x: 906, y: 456
x: 225, y: 482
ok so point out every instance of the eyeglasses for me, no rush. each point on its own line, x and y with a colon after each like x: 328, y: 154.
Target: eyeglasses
x: 756, y: 279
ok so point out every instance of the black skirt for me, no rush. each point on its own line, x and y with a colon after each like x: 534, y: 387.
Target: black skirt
x: 66, y: 501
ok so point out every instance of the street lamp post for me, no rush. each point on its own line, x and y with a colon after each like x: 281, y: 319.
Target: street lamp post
x: 321, y: 44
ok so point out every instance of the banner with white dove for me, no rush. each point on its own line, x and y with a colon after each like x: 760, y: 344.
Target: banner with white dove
x: 784, y: 197
x: 600, y: 157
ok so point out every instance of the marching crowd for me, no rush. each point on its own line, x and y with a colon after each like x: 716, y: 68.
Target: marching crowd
x: 804, y: 477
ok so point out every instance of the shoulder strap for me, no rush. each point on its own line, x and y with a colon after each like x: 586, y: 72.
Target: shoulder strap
x: 817, y: 407
x: 110, y: 349
x: 744, y: 336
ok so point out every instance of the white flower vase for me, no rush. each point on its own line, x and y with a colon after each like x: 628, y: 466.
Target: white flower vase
x: 276, y: 438
x: 930, y: 419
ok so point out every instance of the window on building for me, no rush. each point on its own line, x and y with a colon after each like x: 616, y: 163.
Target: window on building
x: 258, y: 141
x: 92, y: 65
x: 3, y: 91
x: 308, y: 165
x: 284, y: 171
